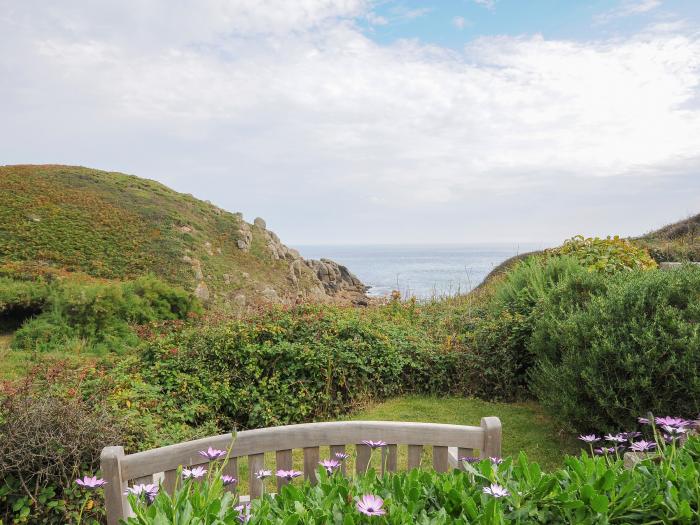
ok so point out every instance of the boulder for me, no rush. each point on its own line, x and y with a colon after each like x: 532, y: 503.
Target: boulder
x: 202, y: 291
x: 260, y: 223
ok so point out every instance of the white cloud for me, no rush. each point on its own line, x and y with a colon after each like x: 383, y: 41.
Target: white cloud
x: 459, y: 22
x: 297, y: 110
x: 376, y: 20
x: 628, y: 8
x: 488, y: 4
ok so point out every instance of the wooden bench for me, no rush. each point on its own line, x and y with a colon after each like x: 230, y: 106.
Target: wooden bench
x: 160, y: 465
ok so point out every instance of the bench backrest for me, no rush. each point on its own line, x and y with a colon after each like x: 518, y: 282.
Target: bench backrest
x: 160, y: 465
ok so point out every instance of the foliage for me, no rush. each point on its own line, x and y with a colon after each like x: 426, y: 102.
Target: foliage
x: 96, y: 315
x: 497, y: 338
x: 294, y: 365
x: 609, y: 255
x: 585, y: 491
x: 679, y: 241
x: 632, y: 347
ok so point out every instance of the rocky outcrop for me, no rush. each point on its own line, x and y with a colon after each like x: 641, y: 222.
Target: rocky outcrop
x: 324, y: 278
x: 245, y: 237
x: 335, y: 277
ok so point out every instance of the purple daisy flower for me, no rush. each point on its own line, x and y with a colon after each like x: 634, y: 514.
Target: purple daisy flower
x: 243, y: 512
x: 673, y: 421
x: 289, y: 475
x: 589, y: 438
x: 93, y: 482
x: 643, y: 446
x: 496, y: 491
x: 330, y: 465
x: 212, y: 453
x: 674, y: 431
x: 371, y: 505
x: 605, y: 450
x: 643, y: 420
x: 342, y: 455
x: 193, y: 473
x: 262, y: 474
x: 617, y: 438
x: 150, y: 491
x: 629, y: 436
x: 470, y: 459
x: 373, y: 444
x: 228, y: 480
x: 496, y: 460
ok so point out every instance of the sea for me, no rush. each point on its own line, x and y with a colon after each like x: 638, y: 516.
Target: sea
x: 425, y: 271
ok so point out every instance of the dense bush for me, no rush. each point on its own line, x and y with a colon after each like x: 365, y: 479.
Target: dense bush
x: 609, y: 255
x: 633, y: 347
x: 287, y: 366
x: 19, y: 300
x: 585, y: 491
x: 498, y: 336
x: 97, y: 315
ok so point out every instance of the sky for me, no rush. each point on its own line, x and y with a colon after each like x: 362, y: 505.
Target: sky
x: 372, y: 121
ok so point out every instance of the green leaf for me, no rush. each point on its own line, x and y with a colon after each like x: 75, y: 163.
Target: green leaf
x: 600, y: 503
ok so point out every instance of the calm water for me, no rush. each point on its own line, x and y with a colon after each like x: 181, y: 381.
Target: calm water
x: 420, y: 270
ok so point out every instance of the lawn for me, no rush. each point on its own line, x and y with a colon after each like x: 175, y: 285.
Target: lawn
x: 525, y: 428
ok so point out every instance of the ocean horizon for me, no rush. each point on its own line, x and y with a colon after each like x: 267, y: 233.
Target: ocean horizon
x: 421, y: 270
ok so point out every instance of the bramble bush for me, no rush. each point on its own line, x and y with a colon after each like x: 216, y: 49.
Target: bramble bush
x: 608, y: 256
x: 291, y: 365
x: 633, y: 346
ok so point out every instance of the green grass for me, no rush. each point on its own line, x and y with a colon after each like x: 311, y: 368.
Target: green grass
x: 525, y: 428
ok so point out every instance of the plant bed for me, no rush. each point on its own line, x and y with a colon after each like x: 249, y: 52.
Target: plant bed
x: 595, y: 489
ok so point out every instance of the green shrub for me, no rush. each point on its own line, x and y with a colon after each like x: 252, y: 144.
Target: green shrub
x: 98, y: 315
x: 585, y: 491
x: 634, y: 347
x: 19, y: 300
x: 288, y: 366
x: 608, y: 255
x: 499, y: 357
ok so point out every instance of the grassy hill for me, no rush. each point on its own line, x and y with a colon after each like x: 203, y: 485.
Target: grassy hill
x: 115, y: 226
x: 679, y: 241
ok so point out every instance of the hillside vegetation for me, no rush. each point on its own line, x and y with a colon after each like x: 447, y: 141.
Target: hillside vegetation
x: 676, y: 242
x: 114, y: 226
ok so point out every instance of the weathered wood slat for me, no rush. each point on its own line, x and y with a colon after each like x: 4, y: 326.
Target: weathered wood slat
x: 283, y: 461
x: 311, y: 459
x: 115, y: 503
x: 300, y: 436
x: 145, y: 480
x: 337, y: 449
x: 440, y: 459
x: 170, y: 481
x: 390, y: 457
x: 415, y: 453
x: 364, y: 453
x: 231, y: 469
x: 256, y: 463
